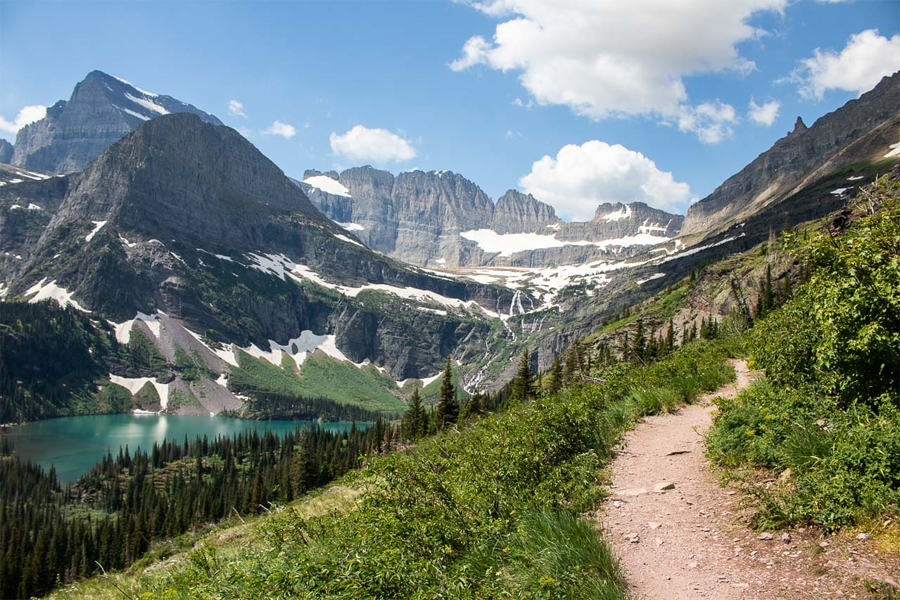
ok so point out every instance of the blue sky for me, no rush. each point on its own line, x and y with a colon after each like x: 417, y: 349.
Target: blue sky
x: 326, y: 67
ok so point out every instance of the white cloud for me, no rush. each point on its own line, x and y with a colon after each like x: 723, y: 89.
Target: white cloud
x: 26, y: 116
x: 862, y: 63
x: 522, y: 103
x: 377, y: 145
x: 764, y: 114
x: 283, y: 129
x: 606, y: 58
x: 236, y: 108
x: 581, y: 177
x: 711, y: 121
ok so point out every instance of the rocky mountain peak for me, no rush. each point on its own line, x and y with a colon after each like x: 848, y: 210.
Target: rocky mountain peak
x: 516, y: 212
x: 101, y: 110
x: 795, y: 157
x: 6, y: 151
x: 159, y: 178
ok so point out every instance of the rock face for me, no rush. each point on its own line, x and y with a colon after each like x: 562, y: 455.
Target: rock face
x: 6, y: 151
x: 617, y: 221
x: 436, y: 218
x: 797, y: 156
x: 191, y: 220
x: 101, y: 111
x: 516, y: 212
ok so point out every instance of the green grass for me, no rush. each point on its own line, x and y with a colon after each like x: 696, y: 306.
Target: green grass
x: 490, y: 511
x: 321, y: 376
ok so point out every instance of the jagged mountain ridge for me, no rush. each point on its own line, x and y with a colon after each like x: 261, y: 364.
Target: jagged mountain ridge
x: 187, y: 221
x: 101, y: 110
x: 441, y: 219
x: 799, y: 157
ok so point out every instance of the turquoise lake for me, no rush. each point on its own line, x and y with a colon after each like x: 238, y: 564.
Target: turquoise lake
x: 75, y: 444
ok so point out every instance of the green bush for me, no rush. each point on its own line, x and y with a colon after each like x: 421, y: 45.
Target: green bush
x: 827, y: 414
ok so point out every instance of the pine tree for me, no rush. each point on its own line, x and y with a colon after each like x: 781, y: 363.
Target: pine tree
x: 522, y: 386
x: 556, y: 377
x: 447, y: 410
x: 640, y: 342
x: 414, y: 418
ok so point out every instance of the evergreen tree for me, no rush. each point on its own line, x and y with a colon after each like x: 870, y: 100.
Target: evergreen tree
x: 447, y: 410
x: 639, y: 346
x: 413, y: 424
x: 670, y: 337
x: 522, y: 385
x: 556, y: 377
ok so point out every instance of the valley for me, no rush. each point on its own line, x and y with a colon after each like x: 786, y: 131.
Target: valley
x: 234, y: 364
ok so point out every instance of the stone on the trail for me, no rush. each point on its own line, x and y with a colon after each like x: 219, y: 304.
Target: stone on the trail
x: 633, y: 538
x: 824, y: 544
x: 765, y: 536
x: 663, y: 486
x: 658, y: 542
x: 633, y: 492
x: 654, y: 525
x: 617, y: 504
x: 786, y: 538
x: 862, y: 536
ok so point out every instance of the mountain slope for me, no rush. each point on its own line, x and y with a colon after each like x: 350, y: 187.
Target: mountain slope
x: 102, y: 110
x: 804, y: 154
x: 185, y: 232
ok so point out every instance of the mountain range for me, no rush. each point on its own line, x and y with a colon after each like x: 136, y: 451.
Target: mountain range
x: 163, y: 223
x: 441, y: 219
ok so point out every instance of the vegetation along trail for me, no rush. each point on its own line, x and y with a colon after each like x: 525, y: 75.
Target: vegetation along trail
x: 674, y: 527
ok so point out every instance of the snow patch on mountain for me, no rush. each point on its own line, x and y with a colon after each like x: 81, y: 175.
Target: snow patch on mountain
x: 508, y: 244
x: 50, y: 291
x: 148, y: 104
x: 133, y: 113
x: 618, y: 215
x: 351, y: 226
x: 328, y: 185
x: 280, y: 266
x: 298, y: 349
x: 123, y: 330
x: 136, y: 88
x: 98, y: 225
x: 651, y: 278
x: 134, y: 385
x: 344, y: 238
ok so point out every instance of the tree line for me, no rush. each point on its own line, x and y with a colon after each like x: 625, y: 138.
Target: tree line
x: 52, y: 534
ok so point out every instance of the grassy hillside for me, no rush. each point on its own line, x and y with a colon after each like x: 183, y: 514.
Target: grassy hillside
x: 488, y: 511
x: 321, y: 376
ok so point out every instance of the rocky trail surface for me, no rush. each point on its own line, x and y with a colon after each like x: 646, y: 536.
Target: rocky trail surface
x: 680, y: 535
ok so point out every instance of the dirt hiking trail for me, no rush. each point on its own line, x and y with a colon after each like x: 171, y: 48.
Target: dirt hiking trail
x: 680, y: 535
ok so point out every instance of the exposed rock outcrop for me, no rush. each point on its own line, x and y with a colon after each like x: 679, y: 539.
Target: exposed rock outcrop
x: 419, y: 217
x: 793, y: 158
x: 6, y: 151
x: 101, y: 111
